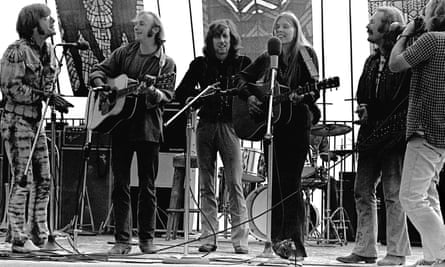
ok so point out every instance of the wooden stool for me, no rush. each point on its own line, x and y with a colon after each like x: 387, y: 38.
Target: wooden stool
x: 176, y: 206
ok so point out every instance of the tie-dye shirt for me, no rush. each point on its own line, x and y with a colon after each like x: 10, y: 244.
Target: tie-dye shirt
x: 26, y: 69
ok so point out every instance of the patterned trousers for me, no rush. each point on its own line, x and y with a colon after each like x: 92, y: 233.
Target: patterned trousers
x: 32, y: 191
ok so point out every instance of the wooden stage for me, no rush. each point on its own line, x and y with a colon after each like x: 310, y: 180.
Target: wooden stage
x: 91, y: 251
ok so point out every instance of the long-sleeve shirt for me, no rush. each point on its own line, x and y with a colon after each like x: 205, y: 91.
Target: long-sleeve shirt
x: 259, y: 70
x: 146, y: 123
x: 385, y: 95
x: 204, y: 71
x: 25, y: 71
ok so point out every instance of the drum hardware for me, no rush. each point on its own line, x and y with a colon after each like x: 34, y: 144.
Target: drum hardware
x: 312, y: 220
x: 337, y: 220
x: 256, y: 205
x: 343, y: 152
x: 254, y: 166
x: 328, y: 222
x: 330, y: 129
x: 317, y: 179
x: 343, y: 217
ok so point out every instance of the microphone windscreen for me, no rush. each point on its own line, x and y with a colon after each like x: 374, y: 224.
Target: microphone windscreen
x: 274, y: 46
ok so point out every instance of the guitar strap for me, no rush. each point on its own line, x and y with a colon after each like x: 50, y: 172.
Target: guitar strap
x: 309, y: 63
x: 316, y: 113
x: 162, y: 60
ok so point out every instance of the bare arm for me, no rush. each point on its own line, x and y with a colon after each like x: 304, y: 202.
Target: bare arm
x: 397, y: 62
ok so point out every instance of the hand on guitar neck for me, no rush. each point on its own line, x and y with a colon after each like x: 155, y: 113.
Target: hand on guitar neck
x: 147, y: 86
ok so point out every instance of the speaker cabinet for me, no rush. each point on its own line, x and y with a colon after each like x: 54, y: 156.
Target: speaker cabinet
x: 98, y: 180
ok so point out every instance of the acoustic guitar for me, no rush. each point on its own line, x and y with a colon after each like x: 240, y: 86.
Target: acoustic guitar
x: 106, y: 109
x: 251, y: 127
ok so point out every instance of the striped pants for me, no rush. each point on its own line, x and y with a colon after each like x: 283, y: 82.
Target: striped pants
x: 30, y: 192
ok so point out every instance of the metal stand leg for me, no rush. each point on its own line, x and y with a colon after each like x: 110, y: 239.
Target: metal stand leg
x: 311, y: 231
x: 343, y: 217
x: 328, y: 223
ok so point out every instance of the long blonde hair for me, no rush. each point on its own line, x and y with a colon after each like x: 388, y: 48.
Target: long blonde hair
x: 298, y: 42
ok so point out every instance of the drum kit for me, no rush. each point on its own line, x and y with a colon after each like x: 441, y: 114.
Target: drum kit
x: 313, y: 177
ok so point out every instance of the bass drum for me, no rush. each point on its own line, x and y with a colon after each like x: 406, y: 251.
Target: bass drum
x: 257, y: 204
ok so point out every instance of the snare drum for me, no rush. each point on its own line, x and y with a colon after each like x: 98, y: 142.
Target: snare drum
x: 257, y: 204
x: 254, y: 167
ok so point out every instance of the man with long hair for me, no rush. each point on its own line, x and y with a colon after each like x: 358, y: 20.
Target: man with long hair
x: 425, y: 151
x: 382, y: 104
x: 215, y: 133
x: 27, y: 69
x: 141, y: 133
x: 290, y: 137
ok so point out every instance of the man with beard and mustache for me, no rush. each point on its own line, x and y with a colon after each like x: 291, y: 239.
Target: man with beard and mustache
x: 27, y: 69
x: 215, y: 132
x: 142, y: 133
x: 382, y: 104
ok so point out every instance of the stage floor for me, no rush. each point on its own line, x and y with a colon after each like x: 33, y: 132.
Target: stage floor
x: 92, y: 249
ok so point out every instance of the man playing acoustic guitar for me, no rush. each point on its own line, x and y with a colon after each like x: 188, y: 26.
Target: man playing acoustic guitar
x: 142, y: 132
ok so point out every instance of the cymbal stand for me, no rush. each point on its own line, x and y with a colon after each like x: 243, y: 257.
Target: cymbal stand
x: 191, y: 121
x: 327, y: 222
x: 342, y: 214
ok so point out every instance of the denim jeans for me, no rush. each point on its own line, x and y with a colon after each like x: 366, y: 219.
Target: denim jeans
x: 385, y: 166
x: 419, y: 196
x: 210, y: 138
x: 147, y: 154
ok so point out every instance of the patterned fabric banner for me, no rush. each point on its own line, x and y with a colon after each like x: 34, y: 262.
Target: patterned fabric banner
x: 254, y: 19
x: 411, y: 8
x: 103, y: 24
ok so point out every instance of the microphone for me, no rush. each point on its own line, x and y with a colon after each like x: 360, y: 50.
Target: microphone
x: 81, y: 45
x: 274, y: 50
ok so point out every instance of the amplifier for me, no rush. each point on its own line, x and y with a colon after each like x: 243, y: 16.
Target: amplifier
x: 75, y: 136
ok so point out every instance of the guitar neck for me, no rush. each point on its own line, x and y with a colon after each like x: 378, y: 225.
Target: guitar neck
x: 126, y: 91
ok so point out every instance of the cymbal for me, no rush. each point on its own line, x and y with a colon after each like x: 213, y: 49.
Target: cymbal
x: 342, y: 152
x: 330, y: 129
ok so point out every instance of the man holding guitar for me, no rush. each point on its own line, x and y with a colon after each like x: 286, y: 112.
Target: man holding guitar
x: 297, y: 66
x: 215, y: 130
x: 382, y: 100
x: 141, y: 131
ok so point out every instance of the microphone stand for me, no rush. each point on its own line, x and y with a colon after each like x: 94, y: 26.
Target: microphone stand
x: 186, y: 259
x: 268, y: 252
